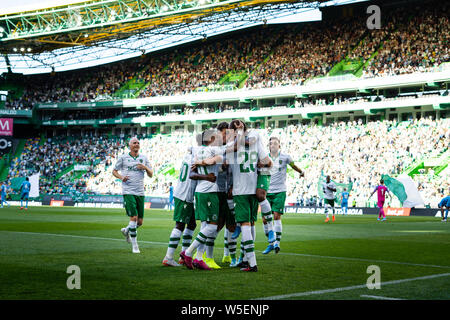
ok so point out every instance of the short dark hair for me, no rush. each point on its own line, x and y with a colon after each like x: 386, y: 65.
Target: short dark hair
x: 222, y: 125
x: 27, y: 178
x: 381, y: 181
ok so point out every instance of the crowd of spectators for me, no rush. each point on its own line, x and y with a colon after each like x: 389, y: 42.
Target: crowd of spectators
x: 76, y: 86
x: 308, y: 53
x: 205, y: 65
x: 348, y: 152
x: 413, y: 39
x: 417, y: 44
x: 361, y: 153
x: 53, y: 156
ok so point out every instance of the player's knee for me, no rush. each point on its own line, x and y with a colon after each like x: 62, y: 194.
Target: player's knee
x: 192, y: 225
x: 220, y: 225
x: 260, y: 195
x: 180, y: 226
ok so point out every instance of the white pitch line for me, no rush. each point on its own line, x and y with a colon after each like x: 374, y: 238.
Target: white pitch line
x: 362, y: 286
x: 379, y: 297
x: 283, y: 253
x: 82, y: 237
x: 365, y: 260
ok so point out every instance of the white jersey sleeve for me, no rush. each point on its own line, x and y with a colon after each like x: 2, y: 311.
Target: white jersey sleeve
x: 203, y: 153
x: 119, y: 163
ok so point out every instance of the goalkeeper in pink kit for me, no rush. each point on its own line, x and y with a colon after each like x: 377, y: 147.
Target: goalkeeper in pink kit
x: 381, y: 190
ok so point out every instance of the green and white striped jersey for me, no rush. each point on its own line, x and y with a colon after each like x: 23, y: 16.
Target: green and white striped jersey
x: 126, y: 164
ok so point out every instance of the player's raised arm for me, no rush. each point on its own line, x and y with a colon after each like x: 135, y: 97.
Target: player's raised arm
x: 194, y: 175
x: 210, y: 161
x: 293, y: 166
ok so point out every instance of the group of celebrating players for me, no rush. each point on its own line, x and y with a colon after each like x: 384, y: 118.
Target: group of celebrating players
x: 223, y: 181
x: 228, y: 175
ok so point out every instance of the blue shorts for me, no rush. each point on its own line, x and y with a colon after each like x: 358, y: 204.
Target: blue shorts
x: 24, y: 195
x: 344, y: 204
x: 3, y: 197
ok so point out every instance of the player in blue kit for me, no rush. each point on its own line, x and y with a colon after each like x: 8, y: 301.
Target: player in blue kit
x: 25, y: 193
x: 445, y: 202
x: 171, y: 200
x: 3, y: 194
x: 344, y: 201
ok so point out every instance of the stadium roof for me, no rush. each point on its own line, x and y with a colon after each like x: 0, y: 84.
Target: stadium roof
x: 78, y: 34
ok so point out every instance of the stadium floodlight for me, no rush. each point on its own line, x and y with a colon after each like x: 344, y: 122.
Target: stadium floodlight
x: 15, y: 49
x: 29, y: 49
x: 22, y: 49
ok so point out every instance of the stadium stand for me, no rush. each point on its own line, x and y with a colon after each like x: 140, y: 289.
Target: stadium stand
x: 267, y: 57
x: 386, y: 147
x: 264, y: 57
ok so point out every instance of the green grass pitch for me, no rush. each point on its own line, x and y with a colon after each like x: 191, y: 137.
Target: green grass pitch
x: 317, y: 260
